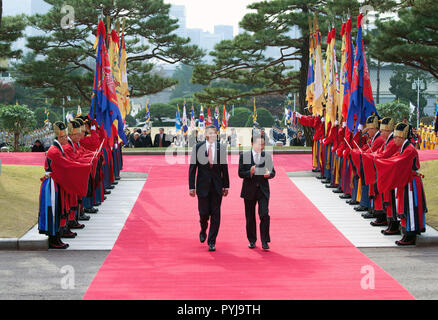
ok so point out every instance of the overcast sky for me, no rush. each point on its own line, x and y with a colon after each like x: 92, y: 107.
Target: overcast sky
x: 205, y: 14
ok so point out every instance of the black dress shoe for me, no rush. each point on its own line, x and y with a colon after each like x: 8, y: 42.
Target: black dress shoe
x: 84, y: 217
x: 69, y: 235
x: 319, y: 177
x: 114, y: 183
x: 107, y: 192
x: 368, y: 215
x: 330, y: 186
x: 202, y: 237
x: 352, y: 202
x: 211, y: 247
x: 337, y: 191
x: 315, y: 170
x: 104, y: 198
x: 91, y: 210
x: 78, y: 226
x: 325, y: 181
x: 345, y: 196
x: 360, y: 208
x: 251, y: 245
x: 117, y: 178
x: 265, y: 245
x: 110, y: 187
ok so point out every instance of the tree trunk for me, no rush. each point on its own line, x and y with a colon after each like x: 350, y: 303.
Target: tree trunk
x: 16, y: 140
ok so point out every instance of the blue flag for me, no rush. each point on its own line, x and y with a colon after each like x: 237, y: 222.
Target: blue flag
x: 361, y: 104
x: 104, y: 101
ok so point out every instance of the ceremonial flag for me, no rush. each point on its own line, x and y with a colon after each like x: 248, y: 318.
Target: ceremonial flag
x: 104, y: 100
x: 79, y: 112
x: 216, y: 118
x: 224, y: 119
x: 343, y: 59
x: 286, y: 115
x: 177, y: 121
x: 125, y: 104
x: 319, y: 72
x: 201, y: 122
x: 148, y: 114
x: 289, y: 112
x: 332, y: 93
x: 361, y: 100
x: 114, y: 57
x: 310, y: 72
x: 192, y: 120
x: 254, y: 113
x: 347, y: 70
x: 328, y: 55
x: 184, y: 120
x: 209, y: 121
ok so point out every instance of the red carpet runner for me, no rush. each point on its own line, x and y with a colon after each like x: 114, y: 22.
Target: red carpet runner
x: 158, y: 254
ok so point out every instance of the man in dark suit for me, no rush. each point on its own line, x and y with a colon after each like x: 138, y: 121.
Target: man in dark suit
x: 145, y: 138
x: 160, y: 139
x: 256, y: 168
x: 209, y: 158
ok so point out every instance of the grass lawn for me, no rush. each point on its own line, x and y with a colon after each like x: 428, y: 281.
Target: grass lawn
x: 430, y: 171
x: 19, y: 193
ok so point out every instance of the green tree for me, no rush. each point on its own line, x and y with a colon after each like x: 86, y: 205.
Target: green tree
x: 67, y: 67
x: 11, y: 29
x: 412, y: 39
x: 282, y: 26
x: 264, y: 118
x: 395, y: 109
x: 401, y: 86
x: 17, y: 119
x: 158, y: 112
x: 240, y: 117
x: 40, y: 116
x: 183, y: 74
x: 130, y: 120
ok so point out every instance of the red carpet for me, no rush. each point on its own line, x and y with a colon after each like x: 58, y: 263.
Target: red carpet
x: 158, y: 254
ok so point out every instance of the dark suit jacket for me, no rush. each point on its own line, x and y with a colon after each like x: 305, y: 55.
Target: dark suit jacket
x: 250, y: 184
x: 157, y: 140
x: 146, y: 141
x: 217, y: 175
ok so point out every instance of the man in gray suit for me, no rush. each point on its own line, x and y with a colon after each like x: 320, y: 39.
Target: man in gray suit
x: 256, y: 168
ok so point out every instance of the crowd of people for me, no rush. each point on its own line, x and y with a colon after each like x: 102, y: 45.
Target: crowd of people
x: 141, y: 138
x: 81, y: 165
x: 44, y: 137
x: 375, y: 169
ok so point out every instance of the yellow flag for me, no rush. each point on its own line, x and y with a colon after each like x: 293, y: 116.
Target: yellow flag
x: 332, y: 87
x: 125, y: 102
x: 319, y: 98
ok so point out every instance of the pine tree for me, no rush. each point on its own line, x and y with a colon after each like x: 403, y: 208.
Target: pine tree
x: 412, y: 40
x: 66, y: 58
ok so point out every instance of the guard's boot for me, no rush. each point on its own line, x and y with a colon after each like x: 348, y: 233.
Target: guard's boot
x: 393, y: 228
x: 380, y: 219
x: 407, y: 240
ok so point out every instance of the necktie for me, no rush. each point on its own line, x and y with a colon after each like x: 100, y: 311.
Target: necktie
x: 161, y: 141
x: 257, y: 159
x: 210, y: 155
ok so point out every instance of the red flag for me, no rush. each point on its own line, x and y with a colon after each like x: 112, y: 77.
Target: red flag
x: 208, y: 122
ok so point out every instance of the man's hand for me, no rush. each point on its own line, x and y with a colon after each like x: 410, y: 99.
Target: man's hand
x: 252, y: 171
x: 192, y: 192
x: 224, y: 192
x: 267, y: 173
